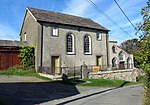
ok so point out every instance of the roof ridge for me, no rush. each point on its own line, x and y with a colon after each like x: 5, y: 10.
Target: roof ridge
x: 57, y: 12
x: 63, y: 18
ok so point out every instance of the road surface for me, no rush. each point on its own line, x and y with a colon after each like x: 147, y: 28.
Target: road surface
x: 130, y: 95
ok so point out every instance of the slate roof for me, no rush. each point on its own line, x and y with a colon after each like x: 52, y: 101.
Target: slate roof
x: 11, y: 43
x: 60, y: 18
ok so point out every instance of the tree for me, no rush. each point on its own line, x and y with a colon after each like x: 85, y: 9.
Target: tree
x: 130, y: 46
x: 144, y: 52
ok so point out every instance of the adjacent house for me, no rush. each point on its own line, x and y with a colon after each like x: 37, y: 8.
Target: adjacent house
x: 119, y: 59
x: 66, y: 39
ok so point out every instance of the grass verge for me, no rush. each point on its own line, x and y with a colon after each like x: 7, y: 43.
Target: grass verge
x: 106, y: 83
x: 19, y: 71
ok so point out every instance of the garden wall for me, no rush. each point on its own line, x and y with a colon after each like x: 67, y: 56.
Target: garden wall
x: 128, y: 75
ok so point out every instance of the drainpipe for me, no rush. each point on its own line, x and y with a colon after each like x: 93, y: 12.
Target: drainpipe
x: 107, y: 48
x: 41, y: 64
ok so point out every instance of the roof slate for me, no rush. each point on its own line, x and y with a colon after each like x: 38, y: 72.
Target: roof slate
x: 11, y: 43
x: 60, y: 18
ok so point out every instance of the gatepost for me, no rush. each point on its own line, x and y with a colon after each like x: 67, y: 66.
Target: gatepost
x: 84, y: 70
x: 64, y: 72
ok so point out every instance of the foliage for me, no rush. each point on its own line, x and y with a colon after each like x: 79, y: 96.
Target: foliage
x: 27, y: 56
x: 130, y: 46
x: 144, y: 52
x: 19, y: 70
x: 140, y: 79
x: 21, y: 37
x: 145, y: 26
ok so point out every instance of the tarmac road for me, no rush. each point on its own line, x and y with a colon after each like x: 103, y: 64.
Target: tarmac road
x: 130, y: 95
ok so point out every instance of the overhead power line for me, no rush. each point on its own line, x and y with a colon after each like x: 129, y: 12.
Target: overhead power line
x: 125, y: 15
x: 101, y: 11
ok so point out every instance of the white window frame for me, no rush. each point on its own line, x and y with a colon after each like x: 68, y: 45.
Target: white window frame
x: 99, y: 36
x: 129, y: 63
x: 122, y: 55
x: 25, y: 37
x: 115, y: 62
x: 73, y: 46
x: 54, y: 31
x: 90, y: 45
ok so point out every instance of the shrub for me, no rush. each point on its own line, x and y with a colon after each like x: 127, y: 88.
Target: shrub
x: 27, y: 56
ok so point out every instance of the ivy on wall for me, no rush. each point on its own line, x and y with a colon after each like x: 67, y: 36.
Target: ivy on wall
x: 27, y: 56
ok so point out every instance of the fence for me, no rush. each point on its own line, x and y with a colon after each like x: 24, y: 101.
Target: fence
x: 74, y: 72
x: 71, y: 72
x: 80, y: 71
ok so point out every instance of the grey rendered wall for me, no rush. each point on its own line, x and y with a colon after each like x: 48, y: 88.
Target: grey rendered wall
x: 56, y: 46
x: 32, y: 29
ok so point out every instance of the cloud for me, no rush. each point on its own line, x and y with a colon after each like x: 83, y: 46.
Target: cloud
x: 6, y: 33
x: 138, y: 20
x: 78, y: 7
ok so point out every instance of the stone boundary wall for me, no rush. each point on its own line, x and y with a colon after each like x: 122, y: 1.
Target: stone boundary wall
x: 128, y: 74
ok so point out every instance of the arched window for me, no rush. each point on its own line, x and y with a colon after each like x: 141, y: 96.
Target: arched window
x: 114, y: 62
x: 121, y: 56
x: 87, y: 44
x: 129, y: 63
x: 114, y: 49
x: 70, y: 44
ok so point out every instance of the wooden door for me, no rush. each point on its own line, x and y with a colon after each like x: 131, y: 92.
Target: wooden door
x: 5, y: 61
x: 121, y: 65
x: 56, y: 64
x: 15, y: 59
x: 99, y: 60
x: 8, y: 59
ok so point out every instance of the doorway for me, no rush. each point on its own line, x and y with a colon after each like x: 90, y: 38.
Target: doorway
x: 99, y: 61
x: 56, y: 64
x: 121, y: 65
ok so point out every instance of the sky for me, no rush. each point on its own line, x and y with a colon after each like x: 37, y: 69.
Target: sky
x: 12, y: 14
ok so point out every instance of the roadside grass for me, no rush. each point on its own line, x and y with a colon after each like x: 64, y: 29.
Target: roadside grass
x: 102, y: 83
x: 106, y: 83
x: 19, y: 71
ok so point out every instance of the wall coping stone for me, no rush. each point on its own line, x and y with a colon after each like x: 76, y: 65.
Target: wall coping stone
x: 112, y: 71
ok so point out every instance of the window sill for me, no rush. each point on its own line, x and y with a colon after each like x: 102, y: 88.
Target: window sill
x: 87, y: 53
x: 70, y: 53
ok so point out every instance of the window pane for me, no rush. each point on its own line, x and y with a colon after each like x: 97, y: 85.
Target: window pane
x: 69, y: 43
x: 99, y: 36
x: 86, y: 44
x: 55, y: 31
x: 114, y: 49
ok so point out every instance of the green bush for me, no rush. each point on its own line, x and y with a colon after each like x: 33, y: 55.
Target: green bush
x: 27, y: 56
x: 140, y: 79
x: 146, y: 97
